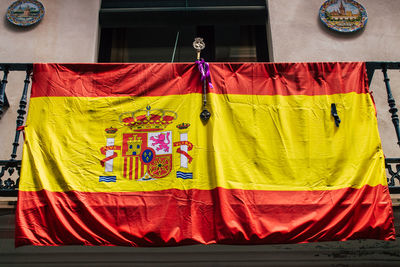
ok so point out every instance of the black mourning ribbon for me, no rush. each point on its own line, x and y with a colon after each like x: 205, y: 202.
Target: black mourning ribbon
x: 335, y: 115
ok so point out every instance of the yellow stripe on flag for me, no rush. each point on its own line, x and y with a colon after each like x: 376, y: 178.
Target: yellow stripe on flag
x: 255, y: 142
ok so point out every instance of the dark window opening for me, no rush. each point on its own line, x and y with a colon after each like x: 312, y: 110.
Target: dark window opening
x: 133, y: 31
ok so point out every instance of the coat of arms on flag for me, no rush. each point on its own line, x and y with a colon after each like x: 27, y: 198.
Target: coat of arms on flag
x: 146, y: 146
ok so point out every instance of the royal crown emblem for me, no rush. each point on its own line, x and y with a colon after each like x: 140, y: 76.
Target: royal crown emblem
x: 183, y: 126
x: 111, y: 130
x: 148, y: 120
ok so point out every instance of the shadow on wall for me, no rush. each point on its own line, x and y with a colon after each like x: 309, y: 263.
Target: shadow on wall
x: 16, y: 29
x: 339, y: 35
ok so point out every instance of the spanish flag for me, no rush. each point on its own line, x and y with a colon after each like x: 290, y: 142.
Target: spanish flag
x: 117, y: 155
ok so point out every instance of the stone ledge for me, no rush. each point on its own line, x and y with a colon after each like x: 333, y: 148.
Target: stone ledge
x: 395, y: 200
x: 349, y: 253
x: 8, y: 202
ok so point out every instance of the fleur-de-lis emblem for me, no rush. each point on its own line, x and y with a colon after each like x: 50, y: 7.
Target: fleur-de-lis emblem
x: 147, y: 155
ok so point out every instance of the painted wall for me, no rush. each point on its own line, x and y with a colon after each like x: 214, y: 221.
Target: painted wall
x: 297, y: 35
x: 67, y: 33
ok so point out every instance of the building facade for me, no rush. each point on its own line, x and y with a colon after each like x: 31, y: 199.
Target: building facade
x: 74, y: 31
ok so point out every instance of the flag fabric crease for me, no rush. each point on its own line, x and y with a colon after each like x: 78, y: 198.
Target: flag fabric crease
x: 116, y: 154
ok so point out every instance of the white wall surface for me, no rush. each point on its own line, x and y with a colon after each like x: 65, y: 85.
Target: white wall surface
x: 298, y: 34
x: 68, y: 32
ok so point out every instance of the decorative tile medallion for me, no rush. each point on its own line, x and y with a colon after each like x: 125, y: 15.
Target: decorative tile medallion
x: 343, y: 15
x: 25, y: 12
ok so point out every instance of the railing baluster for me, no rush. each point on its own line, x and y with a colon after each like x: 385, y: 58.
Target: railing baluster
x: 392, y: 103
x: 3, y: 99
x: 21, y: 112
x: 392, y: 166
x: 10, y: 169
x: 9, y: 186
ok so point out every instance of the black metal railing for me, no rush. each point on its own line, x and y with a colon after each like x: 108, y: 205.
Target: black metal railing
x: 8, y: 181
x: 392, y: 165
x: 10, y: 169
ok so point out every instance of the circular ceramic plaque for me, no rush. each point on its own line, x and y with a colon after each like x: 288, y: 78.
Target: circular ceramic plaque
x: 25, y: 12
x: 343, y: 15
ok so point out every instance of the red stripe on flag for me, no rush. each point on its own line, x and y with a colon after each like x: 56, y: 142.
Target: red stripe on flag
x: 104, y: 80
x: 136, y: 168
x: 130, y: 167
x: 202, y: 216
x: 125, y: 162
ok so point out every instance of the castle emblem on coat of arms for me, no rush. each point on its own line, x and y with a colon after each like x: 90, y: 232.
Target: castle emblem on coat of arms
x: 147, y: 147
